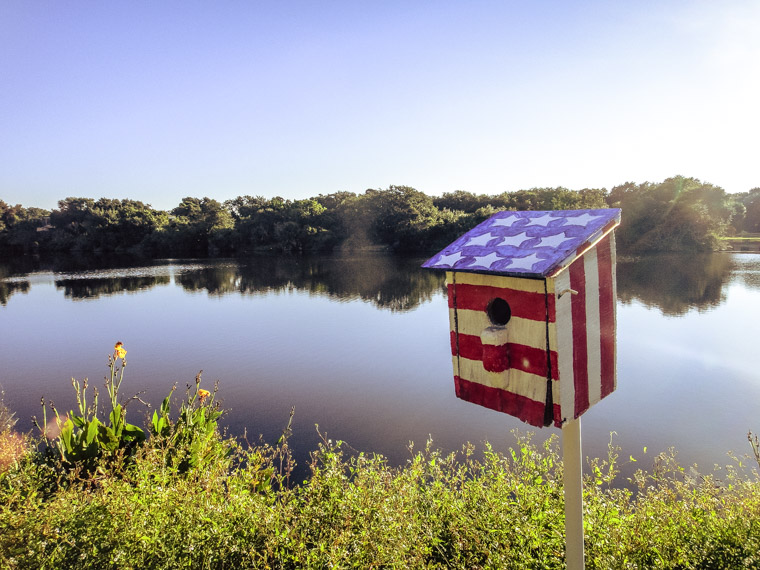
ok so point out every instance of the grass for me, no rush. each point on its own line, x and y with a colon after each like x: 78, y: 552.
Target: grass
x: 190, y: 497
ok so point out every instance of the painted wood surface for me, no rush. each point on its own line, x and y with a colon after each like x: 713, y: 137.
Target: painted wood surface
x: 555, y: 357
x: 526, y: 244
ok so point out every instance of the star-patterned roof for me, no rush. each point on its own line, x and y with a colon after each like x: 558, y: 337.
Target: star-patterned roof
x: 525, y: 244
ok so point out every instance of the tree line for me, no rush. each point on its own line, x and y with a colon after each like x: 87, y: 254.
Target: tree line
x: 678, y: 214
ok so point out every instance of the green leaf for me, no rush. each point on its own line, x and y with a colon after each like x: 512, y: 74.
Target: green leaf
x: 133, y: 433
x: 92, y: 432
x: 117, y: 419
x: 78, y: 421
x: 107, y: 438
x: 67, y: 430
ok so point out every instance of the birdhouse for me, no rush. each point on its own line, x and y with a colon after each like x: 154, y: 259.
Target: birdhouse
x: 532, y: 312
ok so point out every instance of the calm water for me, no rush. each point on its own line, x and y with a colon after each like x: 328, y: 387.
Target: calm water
x: 359, y: 345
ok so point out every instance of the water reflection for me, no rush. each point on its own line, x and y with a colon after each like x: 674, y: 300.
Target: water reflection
x: 92, y: 288
x: 9, y: 288
x: 10, y: 283
x: 746, y: 270
x: 673, y: 284
x: 676, y: 283
x: 397, y: 284
x: 371, y: 377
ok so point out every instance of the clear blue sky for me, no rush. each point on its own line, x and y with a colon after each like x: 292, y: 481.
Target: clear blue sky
x: 155, y: 101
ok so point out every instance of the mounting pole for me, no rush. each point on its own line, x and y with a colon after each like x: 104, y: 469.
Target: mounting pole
x: 573, y: 479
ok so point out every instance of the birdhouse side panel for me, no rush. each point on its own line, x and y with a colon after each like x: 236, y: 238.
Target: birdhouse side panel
x: 608, y: 313
x: 584, y: 336
x: 502, y: 366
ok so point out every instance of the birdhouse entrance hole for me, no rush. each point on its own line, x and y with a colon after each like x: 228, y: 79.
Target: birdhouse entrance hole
x: 499, y: 312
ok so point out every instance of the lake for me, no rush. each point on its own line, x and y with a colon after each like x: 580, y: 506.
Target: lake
x: 359, y: 344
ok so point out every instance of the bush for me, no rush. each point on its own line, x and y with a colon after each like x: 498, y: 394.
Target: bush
x: 188, y: 497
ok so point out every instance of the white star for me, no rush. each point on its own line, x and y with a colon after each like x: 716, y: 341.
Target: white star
x: 514, y: 240
x: 508, y: 221
x: 581, y: 220
x: 480, y: 240
x: 486, y: 261
x: 553, y: 241
x: 449, y: 260
x: 524, y: 262
x: 543, y: 220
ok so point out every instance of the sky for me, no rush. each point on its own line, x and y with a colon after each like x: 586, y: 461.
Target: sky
x: 155, y: 101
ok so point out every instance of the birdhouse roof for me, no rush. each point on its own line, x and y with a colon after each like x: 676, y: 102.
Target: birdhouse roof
x: 533, y: 244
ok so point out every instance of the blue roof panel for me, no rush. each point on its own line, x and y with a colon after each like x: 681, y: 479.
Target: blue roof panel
x: 525, y: 244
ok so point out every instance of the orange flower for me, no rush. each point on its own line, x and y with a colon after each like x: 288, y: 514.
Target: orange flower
x: 203, y: 394
x: 119, y: 351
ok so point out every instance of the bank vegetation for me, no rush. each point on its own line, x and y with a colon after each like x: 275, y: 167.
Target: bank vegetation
x: 678, y: 214
x: 92, y: 490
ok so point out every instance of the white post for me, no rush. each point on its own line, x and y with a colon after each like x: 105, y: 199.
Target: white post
x: 573, y: 477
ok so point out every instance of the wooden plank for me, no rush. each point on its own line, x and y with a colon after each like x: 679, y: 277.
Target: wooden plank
x: 522, y: 331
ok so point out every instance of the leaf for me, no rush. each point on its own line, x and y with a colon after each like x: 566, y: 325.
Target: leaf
x: 67, y: 430
x: 92, y: 432
x: 107, y: 438
x: 116, y: 418
x: 133, y: 433
x: 79, y: 421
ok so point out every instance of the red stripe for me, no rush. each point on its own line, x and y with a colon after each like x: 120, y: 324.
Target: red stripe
x: 557, y: 416
x: 453, y: 336
x: 521, y: 407
x: 524, y: 305
x: 521, y: 357
x: 580, y: 349
x: 606, y: 316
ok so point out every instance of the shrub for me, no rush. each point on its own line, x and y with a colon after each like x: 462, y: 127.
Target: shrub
x: 189, y: 497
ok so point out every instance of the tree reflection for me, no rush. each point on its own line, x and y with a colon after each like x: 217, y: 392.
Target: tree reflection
x: 675, y: 283
x: 92, y: 288
x: 746, y: 270
x: 8, y: 287
x: 389, y: 282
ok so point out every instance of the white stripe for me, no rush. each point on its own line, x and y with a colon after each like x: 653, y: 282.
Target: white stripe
x: 593, y: 327
x: 613, y: 256
x: 453, y: 327
x: 501, y: 281
x: 521, y: 331
x: 515, y: 381
x: 564, y: 344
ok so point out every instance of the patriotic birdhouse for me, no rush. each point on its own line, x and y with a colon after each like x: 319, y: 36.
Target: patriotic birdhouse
x: 532, y: 312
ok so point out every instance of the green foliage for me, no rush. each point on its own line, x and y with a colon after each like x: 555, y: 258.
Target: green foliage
x: 192, y: 440
x: 746, y: 215
x: 471, y: 509
x: 677, y: 214
x: 19, y: 228
x: 83, y: 438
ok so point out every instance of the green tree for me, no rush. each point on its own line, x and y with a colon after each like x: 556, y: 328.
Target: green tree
x: 463, y: 201
x: 751, y: 203
x: 198, y: 227
x: 400, y: 216
x: 678, y: 214
x: 71, y: 222
x: 20, y: 228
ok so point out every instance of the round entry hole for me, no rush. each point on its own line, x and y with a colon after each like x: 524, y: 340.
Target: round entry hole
x: 499, y: 312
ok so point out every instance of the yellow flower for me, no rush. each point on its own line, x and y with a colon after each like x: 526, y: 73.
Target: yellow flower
x: 119, y: 351
x: 203, y: 394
